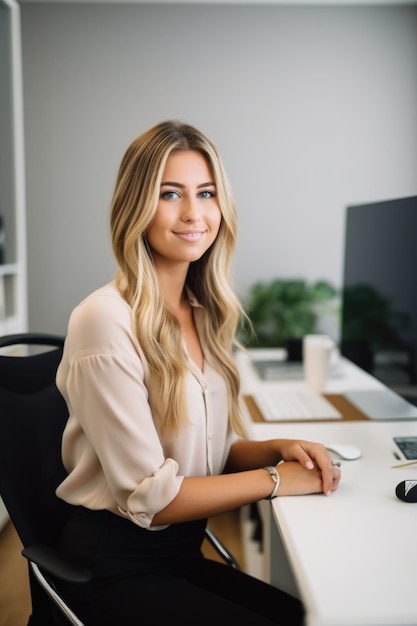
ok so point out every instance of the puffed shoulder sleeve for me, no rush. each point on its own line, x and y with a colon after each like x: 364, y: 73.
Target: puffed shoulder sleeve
x: 111, y: 447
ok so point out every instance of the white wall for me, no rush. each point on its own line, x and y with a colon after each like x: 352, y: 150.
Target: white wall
x: 312, y: 107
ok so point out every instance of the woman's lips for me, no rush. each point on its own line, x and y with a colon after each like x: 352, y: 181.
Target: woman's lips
x: 190, y: 235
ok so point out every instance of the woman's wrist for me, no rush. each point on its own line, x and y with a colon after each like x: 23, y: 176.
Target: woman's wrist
x: 276, y: 479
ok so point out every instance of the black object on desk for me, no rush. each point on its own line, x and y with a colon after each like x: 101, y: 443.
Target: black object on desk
x: 406, y: 490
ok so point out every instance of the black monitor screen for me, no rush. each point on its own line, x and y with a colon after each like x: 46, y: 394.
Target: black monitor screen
x: 379, y: 302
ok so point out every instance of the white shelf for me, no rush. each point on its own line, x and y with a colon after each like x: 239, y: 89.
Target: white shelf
x: 13, y: 288
x: 9, y: 269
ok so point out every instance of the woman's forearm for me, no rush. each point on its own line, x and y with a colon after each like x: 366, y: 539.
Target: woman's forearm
x: 206, y: 496
x: 201, y: 497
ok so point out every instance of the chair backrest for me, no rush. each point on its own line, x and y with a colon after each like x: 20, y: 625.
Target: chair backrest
x: 33, y: 415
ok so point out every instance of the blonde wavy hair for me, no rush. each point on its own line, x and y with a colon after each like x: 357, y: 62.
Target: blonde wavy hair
x: 133, y: 208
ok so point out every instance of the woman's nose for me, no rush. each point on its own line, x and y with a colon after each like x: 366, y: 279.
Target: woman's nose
x: 190, y: 209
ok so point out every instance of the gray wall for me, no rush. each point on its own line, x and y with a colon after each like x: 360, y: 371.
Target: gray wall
x: 313, y: 108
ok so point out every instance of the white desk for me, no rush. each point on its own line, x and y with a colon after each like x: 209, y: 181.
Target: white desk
x: 352, y: 556
x: 346, y: 375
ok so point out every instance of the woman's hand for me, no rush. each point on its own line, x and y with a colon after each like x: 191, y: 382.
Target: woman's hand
x: 296, y: 480
x: 312, y: 457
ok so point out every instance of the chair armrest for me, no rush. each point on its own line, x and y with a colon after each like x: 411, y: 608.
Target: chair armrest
x: 63, y: 568
x: 56, y: 564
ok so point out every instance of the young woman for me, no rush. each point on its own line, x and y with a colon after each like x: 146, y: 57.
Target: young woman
x: 155, y: 443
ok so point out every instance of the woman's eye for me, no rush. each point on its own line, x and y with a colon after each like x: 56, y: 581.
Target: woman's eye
x: 169, y: 195
x: 206, y: 194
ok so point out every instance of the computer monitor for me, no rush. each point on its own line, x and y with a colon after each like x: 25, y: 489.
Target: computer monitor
x: 379, y: 299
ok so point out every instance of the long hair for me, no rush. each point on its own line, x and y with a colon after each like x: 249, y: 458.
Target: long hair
x: 133, y: 209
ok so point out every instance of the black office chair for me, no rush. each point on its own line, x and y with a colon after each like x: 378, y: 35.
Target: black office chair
x: 33, y: 417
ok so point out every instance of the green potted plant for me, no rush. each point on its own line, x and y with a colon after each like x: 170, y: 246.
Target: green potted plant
x: 282, y: 310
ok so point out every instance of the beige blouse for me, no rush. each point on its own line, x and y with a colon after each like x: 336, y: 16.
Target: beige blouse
x: 114, y: 456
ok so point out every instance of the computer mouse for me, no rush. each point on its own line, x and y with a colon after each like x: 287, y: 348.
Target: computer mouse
x: 346, y: 451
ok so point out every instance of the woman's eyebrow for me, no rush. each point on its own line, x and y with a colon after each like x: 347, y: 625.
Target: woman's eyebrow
x: 208, y: 184
x: 171, y: 184
x: 168, y: 183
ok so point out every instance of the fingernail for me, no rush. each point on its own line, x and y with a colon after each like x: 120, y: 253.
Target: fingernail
x: 309, y: 465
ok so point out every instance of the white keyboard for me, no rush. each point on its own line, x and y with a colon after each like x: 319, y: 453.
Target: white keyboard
x: 294, y: 404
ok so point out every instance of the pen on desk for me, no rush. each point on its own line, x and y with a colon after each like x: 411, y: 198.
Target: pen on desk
x: 405, y: 464
x: 397, y: 456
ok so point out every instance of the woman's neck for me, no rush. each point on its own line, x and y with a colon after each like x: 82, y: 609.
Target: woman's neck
x: 173, y: 289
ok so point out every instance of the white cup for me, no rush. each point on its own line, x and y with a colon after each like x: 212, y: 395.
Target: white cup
x: 317, y: 352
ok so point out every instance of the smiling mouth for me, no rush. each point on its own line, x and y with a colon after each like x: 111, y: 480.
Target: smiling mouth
x: 190, y: 235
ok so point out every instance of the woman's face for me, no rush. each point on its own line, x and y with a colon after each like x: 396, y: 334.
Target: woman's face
x: 188, y: 216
